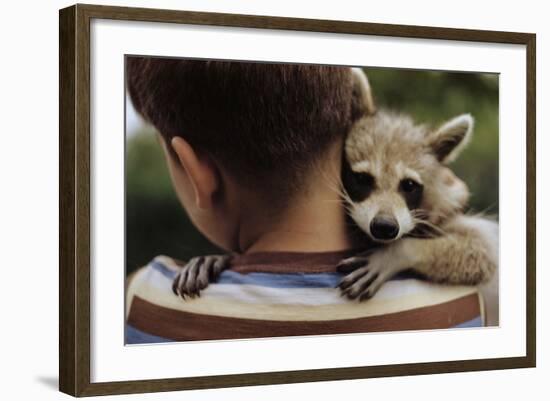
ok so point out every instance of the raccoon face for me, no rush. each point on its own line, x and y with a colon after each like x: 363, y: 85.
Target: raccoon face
x: 394, y: 178
x: 382, y: 204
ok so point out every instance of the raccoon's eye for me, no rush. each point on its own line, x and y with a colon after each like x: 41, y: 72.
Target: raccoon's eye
x: 409, y: 186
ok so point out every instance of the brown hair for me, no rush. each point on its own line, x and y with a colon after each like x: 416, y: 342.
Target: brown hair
x: 266, y: 122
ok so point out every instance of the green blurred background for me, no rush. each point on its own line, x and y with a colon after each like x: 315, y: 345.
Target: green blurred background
x: 156, y: 224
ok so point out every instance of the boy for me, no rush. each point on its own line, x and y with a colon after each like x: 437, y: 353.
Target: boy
x: 254, y: 152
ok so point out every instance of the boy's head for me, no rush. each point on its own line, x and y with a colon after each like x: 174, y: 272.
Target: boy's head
x: 263, y: 127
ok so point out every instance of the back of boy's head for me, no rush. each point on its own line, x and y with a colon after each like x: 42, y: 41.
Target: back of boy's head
x: 266, y: 123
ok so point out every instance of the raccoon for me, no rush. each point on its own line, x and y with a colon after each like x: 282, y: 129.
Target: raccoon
x: 400, y: 193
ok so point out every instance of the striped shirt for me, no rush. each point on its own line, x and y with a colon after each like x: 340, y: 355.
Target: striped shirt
x: 287, y: 294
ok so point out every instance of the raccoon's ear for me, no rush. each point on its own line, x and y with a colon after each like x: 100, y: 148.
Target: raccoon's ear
x: 451, y: 138
x: 362, y: 101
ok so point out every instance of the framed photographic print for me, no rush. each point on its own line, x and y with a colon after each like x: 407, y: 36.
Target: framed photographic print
x: 297, y: 200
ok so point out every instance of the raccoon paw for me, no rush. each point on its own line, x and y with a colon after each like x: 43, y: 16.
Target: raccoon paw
x: 198, y: 273
x: 365, y: 281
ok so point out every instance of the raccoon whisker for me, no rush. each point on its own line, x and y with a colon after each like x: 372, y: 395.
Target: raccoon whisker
x: 425, y: 214
x: 428, y: 224
x: 339, y: 190
x: 333, y: 200
x: 483, y: 213
x: 335, y: 184
x: 348, y: 209
x: 434, y: 233
x: 347, y: 203
x: 423, y: 235
x: 345, y: 196
x: 420, y: 212
x: 331, y: 180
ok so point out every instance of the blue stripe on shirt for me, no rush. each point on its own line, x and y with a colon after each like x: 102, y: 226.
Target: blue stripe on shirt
x: 135, y: 336
x: 286, y: 280
x: 274, y: 280
x: 163, y: 269
x: 477, y: 322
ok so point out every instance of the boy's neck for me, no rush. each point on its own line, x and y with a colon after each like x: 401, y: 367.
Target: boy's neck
x: 316, y: 221
x: 310, y: 228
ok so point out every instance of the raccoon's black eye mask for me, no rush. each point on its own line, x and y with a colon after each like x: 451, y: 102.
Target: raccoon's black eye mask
x: 412, y: 192
x: 358, y: 185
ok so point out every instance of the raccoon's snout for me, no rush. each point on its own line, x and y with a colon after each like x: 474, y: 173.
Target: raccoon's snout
x: 384, y: 228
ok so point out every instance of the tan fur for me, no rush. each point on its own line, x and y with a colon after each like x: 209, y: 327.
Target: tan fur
x: 466, y: 254
x: 463, y: 255
x: 362, y: 100
x: 390, y: 147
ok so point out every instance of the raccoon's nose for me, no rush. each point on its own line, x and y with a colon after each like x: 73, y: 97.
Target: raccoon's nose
x: 384, y: 227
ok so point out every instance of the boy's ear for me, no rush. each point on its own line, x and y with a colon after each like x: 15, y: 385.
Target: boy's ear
x: 201, y: 171
x: 451, y: 138
x: 362, y: 99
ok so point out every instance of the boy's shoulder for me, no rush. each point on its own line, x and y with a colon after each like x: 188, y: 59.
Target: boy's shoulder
x: 251, y: 301
x: 161, y: 262
x: 159, y: 271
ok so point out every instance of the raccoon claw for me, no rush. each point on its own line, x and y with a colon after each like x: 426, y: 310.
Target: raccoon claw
x: 350, y: 264
x: 364, y: 282
x: 197, y: 274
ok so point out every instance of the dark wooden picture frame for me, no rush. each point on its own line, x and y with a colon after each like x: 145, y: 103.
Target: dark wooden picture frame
x: 74, y: 204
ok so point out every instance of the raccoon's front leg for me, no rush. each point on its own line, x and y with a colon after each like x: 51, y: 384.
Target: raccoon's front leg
x: 466, y: 254
x: 198, y: 273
